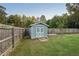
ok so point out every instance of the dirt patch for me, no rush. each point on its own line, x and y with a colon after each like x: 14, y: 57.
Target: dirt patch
x: 43, y: 39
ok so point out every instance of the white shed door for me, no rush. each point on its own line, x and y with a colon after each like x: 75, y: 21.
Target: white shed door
x: 40, y: 32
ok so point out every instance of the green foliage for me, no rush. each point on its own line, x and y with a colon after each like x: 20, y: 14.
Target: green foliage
x: 73, y: 21
x: 70, y: 20
x: 29, y: 21
x: 23, y: 21
x: 66, y: 21
x: 72, y: 7
x: 43, y: 19
x: 58, y: 21
x: 14, y: 20
x: 2, y: 15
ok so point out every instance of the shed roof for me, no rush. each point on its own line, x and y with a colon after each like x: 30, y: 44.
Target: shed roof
x: 38, y: 23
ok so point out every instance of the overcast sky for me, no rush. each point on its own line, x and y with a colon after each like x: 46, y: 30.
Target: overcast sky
x: 35, y: 9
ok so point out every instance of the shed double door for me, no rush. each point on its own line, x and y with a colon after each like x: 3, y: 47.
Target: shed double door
x: 39, y: 31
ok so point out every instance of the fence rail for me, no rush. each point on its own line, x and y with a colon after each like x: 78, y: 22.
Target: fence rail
x: 8, y: 36
x: 62, y: 30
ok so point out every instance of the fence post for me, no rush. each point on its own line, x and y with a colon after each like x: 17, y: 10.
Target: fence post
x: 12, y: 37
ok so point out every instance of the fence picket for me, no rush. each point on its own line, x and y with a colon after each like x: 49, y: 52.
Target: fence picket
x: 8, y: 36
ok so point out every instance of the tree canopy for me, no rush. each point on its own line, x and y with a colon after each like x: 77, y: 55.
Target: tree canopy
x: 2, y: 14
x: 66, y: 20
x: 43, y: 19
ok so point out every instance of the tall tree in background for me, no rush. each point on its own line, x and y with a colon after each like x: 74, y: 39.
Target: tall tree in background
x: 58, y: 21
x: 33, y: 19
x: 30, y: 20
x: 65, y: 19
x: 48, y: 22
x: 23, y: 21
x: 14, y: 20
x: 11, y: 20
x: 73, y: 9
x: 73, y: 21
x: 27, y: 21
x: 53, y: 22
x: 43, y: 19
x: 2, y: 14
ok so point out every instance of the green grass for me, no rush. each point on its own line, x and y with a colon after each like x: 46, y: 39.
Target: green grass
x: 57, y: 45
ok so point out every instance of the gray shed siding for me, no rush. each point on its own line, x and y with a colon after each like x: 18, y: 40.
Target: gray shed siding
x: 34, y: 33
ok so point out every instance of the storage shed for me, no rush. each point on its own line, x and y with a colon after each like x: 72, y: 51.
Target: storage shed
x: 38, y: 30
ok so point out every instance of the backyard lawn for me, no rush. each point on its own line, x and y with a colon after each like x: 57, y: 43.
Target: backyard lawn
x: 57, y: 45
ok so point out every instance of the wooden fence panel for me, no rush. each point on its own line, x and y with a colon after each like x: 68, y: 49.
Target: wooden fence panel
x: 62, y: 31
x: 9, y: 36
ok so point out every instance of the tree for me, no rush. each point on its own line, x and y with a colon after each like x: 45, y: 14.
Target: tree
x: 14, y: 20
x: 73, y: 20
x: 53, y: 22
x: 48, y: 22
x: 72, y: 7
x: 33, y: 19
x: 27, y: 21
x: 23, y: 21
x: 43, y: 19
x: 2, y: 14
x: 65, y: 19
x: 58, y: 21
x: 11, y: 20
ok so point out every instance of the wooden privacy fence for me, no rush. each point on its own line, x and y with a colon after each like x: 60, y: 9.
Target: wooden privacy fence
x: 9, y: 36
x: 63, y: 31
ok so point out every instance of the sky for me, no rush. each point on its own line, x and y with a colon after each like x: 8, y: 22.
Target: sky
x: 35, y: 9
